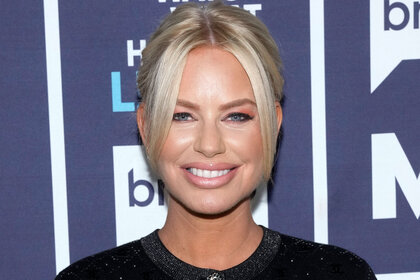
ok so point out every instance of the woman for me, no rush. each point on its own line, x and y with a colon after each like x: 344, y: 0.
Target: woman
x: 209, y: 119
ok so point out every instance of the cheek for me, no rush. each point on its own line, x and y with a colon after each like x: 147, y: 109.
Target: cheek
x: 247, y: 144
x: 176, y: 144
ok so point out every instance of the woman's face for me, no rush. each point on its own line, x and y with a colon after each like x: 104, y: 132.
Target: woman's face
x: 212, y: 159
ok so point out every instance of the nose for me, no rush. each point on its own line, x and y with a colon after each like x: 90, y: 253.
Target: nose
x: 209, y: 141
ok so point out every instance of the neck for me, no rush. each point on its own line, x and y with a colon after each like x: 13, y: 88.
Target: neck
x: 218, y: 242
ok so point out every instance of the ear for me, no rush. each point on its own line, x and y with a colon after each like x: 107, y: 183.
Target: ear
x: 279, y: 114
x: 140, y: 121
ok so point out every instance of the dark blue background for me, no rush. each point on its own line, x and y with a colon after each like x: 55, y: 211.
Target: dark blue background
x: 353, y: 114
x: 93, y: 44
x: 27, y: 236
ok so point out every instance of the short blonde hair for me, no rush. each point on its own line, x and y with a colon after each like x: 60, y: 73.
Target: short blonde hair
x: 189, y: 26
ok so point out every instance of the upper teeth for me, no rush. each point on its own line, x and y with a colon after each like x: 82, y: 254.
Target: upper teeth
x: 208, y: 173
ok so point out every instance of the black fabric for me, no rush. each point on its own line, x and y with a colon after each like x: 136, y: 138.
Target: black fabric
x: 248, y: 269
x: 277, y: 257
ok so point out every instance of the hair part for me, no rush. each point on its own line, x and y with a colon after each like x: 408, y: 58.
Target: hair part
x: 192, y: 25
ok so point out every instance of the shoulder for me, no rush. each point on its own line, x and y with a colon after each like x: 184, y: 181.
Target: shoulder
x: 302, y: 258
x: 125, y: 261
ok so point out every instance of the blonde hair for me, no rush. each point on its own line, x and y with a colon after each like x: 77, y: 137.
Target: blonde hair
x: 189, y: 26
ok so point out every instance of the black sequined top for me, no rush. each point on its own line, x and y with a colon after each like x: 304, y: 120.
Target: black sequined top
x: 277, y: 257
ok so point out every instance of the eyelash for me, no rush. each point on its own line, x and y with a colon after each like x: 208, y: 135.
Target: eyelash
x: 177, y: 117
x: 241, y: 117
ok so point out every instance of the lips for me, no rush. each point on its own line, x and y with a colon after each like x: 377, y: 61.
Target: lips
x: 209, y: 175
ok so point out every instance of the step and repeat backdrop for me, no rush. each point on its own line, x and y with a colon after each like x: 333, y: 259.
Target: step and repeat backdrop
x: 73, y: 180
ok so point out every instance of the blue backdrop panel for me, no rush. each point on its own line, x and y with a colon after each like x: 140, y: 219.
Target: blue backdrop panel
x: 27, y: 237
x: 291, y: 199
x: 353, y: 115
x: 91, y: 127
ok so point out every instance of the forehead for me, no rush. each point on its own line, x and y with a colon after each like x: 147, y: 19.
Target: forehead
x: 213, y: 73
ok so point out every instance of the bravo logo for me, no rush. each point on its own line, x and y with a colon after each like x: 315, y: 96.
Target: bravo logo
x: 394, y: 36
x: 140, y: 205
x: 139, y: 202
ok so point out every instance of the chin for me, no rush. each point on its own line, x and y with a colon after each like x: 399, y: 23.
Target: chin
x: 212, y: 208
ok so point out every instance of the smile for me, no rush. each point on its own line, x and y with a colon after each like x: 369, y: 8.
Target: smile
x: 208, y: 173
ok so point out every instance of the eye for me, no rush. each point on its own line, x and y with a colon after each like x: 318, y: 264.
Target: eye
x: 182, y: 117
x: 239, y: 117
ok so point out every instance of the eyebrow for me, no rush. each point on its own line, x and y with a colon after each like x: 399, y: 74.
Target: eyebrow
x: 188, y: 104
x: 236, y: 103
x: 232, y: 104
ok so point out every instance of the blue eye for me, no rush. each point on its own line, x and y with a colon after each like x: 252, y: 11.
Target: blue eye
x: 182, y: 117
x: 239, y: 117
